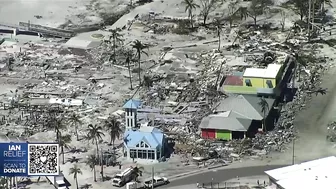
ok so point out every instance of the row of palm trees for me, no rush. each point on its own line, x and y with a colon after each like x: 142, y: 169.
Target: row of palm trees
x: 94, y: 133
x: 137, y: 45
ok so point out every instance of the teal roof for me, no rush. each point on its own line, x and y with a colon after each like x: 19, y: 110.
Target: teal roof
x: 132, y: 104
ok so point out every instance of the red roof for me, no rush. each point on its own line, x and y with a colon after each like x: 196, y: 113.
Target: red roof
x: 234, y: 80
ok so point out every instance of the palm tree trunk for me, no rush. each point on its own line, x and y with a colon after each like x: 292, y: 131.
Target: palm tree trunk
x: 191, y: 20
x: 139, y: 57
x: 62, y: 151
x: 219, y: 41
x: 129, y: 73
x: 76, y: 182
x: 111, y: 141
x: 97, y: 148
x: 76, y: 131
x: 114, y: 50
x: 94, y: 173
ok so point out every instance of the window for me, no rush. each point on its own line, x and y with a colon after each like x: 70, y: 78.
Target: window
x: 142, y: 154
x: 131, y: 123
x: 127, y: 112
x: 248, y: 82
x: 269, y: 83
x: 133, y: 153
x: 142, y: 144
x: 151, y: 154
x: 127, y: 124
x: 131, y: 112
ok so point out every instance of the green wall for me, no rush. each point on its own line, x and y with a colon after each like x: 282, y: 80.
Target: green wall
x: 223, y: 134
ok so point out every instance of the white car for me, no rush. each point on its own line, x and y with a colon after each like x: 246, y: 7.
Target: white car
x: 158, y: 181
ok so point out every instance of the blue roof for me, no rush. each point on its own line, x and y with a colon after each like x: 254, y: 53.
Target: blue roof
x: 132, y: 104
x: 152, y: 136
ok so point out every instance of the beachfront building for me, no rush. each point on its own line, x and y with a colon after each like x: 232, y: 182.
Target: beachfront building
x: 144, y: 143
x: 237, y: 117
x: 256, y: 81
x: 308, y: 175
x: 225, y: 126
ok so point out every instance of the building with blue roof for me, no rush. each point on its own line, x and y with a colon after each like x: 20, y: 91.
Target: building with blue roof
x: 130, y: 108
x: 144, y: 143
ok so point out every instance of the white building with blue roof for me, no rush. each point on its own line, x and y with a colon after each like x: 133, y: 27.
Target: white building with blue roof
x: 144, y: 143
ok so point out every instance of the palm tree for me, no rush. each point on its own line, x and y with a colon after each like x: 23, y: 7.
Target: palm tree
x: 147, y: 81
x: 139, y: 47
x: 137, y: 171
x: 64, y: 141
x: 116, y: 38
x: 74, y: 120
x: 218, y: 26
x: 264, y: 109
x: 75, y: 170
x: 129, y: 55
x: 113, y: 127
x: 92, y: 161
x: 94, y: 134
x: 57, y: 124
x: 243, y: 12
x: 190, y: 6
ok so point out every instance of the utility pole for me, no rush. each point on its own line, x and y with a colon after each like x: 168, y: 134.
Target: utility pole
x: 293, y: 155
x: 102, y: 165
x: 152, y: 177
x: 309, y: 9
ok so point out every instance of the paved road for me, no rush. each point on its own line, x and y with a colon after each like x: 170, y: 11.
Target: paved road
x: 222, y: 175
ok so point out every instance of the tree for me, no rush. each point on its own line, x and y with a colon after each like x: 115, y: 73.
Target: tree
x: 139, y: 47
x: 113, y: 127
x: 92, y: 161
x: 190, y: 6
x: 255, y: 10
x: 264, y: 109
x: 94, y: 134
x: 64, y: 141
x: 300, y: 7
x: 136, y: 172
x: 116, y: 38
x: 232, y: 12
x: 75, y: 170
x: 129, y: 56
x: 57, y: 124
x: 147, y: 81
x: 74, y: 120
x: 243, y: 13
x: 218, y: 26
x: 207, y: 7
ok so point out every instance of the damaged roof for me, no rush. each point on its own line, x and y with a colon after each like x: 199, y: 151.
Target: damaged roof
x: 245, y: 105
x: 224, y: 121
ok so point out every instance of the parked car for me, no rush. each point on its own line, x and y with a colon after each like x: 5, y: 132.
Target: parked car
x: 158, y: 181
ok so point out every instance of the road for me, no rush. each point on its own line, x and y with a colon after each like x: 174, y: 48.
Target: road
x: 221, y: 175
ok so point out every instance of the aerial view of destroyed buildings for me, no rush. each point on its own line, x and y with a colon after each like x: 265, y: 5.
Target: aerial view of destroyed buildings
x: 150, y: 97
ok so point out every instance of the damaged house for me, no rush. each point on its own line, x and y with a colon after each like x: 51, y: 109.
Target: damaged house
x: 256, y: 81
x: 238, y: 117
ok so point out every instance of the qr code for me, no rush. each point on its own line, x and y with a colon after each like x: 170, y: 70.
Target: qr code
x: 43, y: 159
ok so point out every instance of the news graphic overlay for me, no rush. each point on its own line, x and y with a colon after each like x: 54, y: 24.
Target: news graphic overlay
x: 43, y: 159
x: 14, y: 159
x: 29, y: 159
